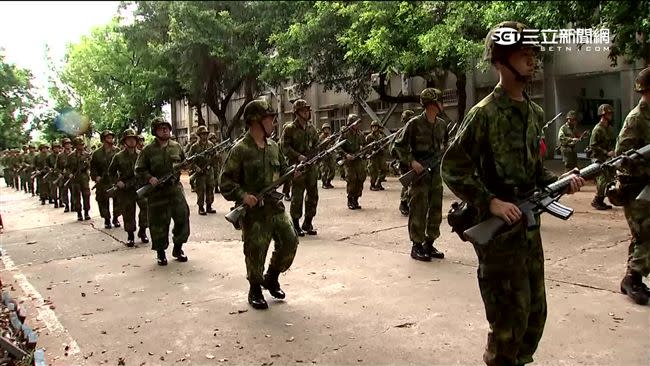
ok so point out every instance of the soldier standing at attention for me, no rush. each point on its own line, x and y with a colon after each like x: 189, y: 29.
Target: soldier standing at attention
x: 602, y: 144
x: 167, y: 200
x: 99, y: 162
x: 40, y: 164
x: 568, y: 138
x: 202, y: 172
x: 403, y: 168
x: 424, y: 138
x: 492, y: 161
x: 377, y: 168
x: 122, y: 168
x: 328, y: 164
x: 77, y: 164
x: 355, y: 171
x: 300, y: 142
x: 54, y: 173
x: 635, y: 134
x: 217, y: 161
x: 252, y: 164
x: 62, y: 167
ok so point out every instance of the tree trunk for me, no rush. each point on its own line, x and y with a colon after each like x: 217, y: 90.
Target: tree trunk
x: 199, y: 114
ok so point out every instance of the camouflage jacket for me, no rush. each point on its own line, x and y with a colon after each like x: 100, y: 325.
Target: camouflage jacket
x: 565, y: 136
x: 99, y: 162
x: 297, y: 141
x: 248, y: 169
x: 51, y: 162
x: 122, y: 167
x: 78, y: 163
x: 602, y: 141
x: 62, y: 162
x: 354, y: 141
x: 421, y: 140
x: 496, y: 151
x: 28, y: 161
x: 376, y: 136
x: 635, y: 134
x: 40, y: 161
x: 203, y: 162
x: 157, y: 161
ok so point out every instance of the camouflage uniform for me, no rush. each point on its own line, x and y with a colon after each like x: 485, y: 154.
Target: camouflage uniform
x: 25, y: 173
x: 355, y: 171
x: 99, y: 162
x: 403, y: 168
x: 193, y: 139
x: 62, y: 167
x: 635, y: 134
x: 40, y: 164
x: 496, y: 154
x: 29, y: 160
x: 567, y: 144
x: 217, y: 161
x: 377, y: 168
x: 328, y: 164
x: 203, y: 180
x: 54, y: 173
x: 247, y: 170
x: 77, y: 164
x: 602, y: 141
x: 302, y: 140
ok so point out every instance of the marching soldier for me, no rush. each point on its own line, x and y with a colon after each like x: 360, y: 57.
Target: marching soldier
x: 77, y: 164
x: 377, y: 168
x: 492, y: 161
x: 25, y: 174
x: 15, y: 162
x: 99, y: 162
x: 299, y: 142
x: 424, y: 139
x: 122, y: 168
x: 40, y: 164
x: 253, y: 163
x: 167, y: 201
x: 568, y: 138
x: 403, y: 168
x: 355, y: 171
x: 53, y: 174
x: 193, y: 139
x: 602, y: 144
x: 634, y: 135
x: 28, y: 162
x: 61, y: 166
x: 140, y: 144
x: 328, y: 164
x: 203, y: 173
x: 217, y: 161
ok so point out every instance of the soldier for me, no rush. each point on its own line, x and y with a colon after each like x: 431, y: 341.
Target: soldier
x: 122, y: 169
x: 568, y: 138
x: 403, y: 168
x: 61, y: 166
x: 424, y: 138
x: 24, y: 173
x: 328, y: 164
x: 193, y: 139
x: 40, y: 164
x: 217, y: 161
x: 300, y: 142
x: 14, y: 166
x: 602, y: 144
x: 355, y: 172
x: 377, y: 168
x: 99, y: 162
x: 167, y: 201
x: 140, y: 144
x: 77, y: 164
x: 252, y: 164
x: 493, y: 159
x: 4, y: 160
x: 53, y: 174
x: 202, y: 172
x: 634, y: 135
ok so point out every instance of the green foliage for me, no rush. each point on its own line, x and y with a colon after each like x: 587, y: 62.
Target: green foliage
x: 16, y: 103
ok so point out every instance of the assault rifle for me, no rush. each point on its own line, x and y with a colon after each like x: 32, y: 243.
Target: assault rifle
x: 335, y: 136
x: 114, y: 188
x: 217, y: 149
x: 548, y: 124
x: 369, y: 150
x: 384, y: 144
x: 429, y: 164
x: 545, y: 199
x: 57, y: 180
x: 234, y: 216
x: 38, y: 173
x: 83, y: 166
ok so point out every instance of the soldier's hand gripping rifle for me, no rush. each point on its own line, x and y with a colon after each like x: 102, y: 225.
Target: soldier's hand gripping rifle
x: 430, y: 164
x: 57, y: 180
x: 83, y: 166
x: 39, y: 173
x: 110, y: 192
x: 335, y: 136
x: 234, y: 216
x: 545, y: 200
x: 369, y: 150
x: 217, y: 149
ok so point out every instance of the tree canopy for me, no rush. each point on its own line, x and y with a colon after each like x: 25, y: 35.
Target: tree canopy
x: 16, y: 103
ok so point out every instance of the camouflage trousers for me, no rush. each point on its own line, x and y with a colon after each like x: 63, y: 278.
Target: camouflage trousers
x: 63, y: 193
x: 259, y: 227
x: 43, y: 188
x: 204, y: 187
x: 7, y: 176
x: 25, y: 177
x: 128, y: 200
x: 638, y: 219
x: 404, y: 194
x: 570, y: 159
x: 54, y: 188
x: 377, y: 169
x: 425, y: 208
x: 355, y: 176
x: 305, y: 183
x: 166, y: 205
x: 601, y: 182
x: 16, y: 179
x: 511, y: 280
x: 80, y: 191
x: 103, y: 201
x: 327, y: 168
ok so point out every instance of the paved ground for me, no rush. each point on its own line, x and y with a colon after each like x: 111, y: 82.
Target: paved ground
x: 354, y: 296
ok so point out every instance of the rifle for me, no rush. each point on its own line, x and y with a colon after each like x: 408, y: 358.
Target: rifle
x: 38, y: 173
x: 411, y: 176
x: 336, y: 135
x: 546, y: 199
x: 58, y: 179
x: 234, y: 216
x: 110, y: 192
x: 384, y: 145
x: 369, y: 150
x: 82, y: 166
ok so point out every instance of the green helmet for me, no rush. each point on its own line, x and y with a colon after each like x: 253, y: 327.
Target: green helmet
x: 257, y: 109
x: 66, y: 140
x: 604, y: 108
x: 79, y: 141
x: 504, y: 39
x: 430, y: 95
x: 106, y: 133
x: 42, y: 146
x: 31, y: 146
x: 352, y: 118
x: 375, y: 123
x: 157, y: 122
x: 642, y: 81
x: 572, y: 114
x: 212, y: 136
x: 201, y: 130
x: 128, y: 133
x: 407, y: 115
x: 55, y: 144
x: 24, y: 147
x: 325, y: 125
x: 300, y: 104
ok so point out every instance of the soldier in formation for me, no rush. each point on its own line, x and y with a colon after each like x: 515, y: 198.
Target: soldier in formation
x: 491, y: 162
x: 167, y: 201
x: 77, y: 164
x: 193, y: 139
x: 299, y: 142
x: 601, y: 145
x: 355, y: 171
x: 217, y: 161
x: 377, y: 168
x: 25, y: 171
x: 421, y: 144
x: 62, y: 168
x: 28, y: 160
x: 203, y: 173
x: 40, y: 166
x: 99, y: 162
x: 328, y: 164
x: 568, y: 138
x: 403, y: 168
x: 253, y: 163
x: 53, y: 173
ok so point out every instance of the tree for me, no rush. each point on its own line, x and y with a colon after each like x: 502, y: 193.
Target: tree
x: 16, y: 101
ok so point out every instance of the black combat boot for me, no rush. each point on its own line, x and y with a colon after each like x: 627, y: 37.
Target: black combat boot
x: 67, y: 208
x: 79, y: 217
x: 325, y: 186
x: 130, y: 241
x: 255, y: 297
x: 209, y: 209
x: 380, y: 187
x: 633, y: 286
x: 202, y: 211
x: 373, y: 187
x: 216, y: 189
x: 307, y: 226
x: 107, y: 223
x: 404, y: 208
x: 56, y: 204
x: 116, y: 221
x: 357, y: 206
x: 599, y: 203
x: 177, y: 253
x: 272, y: 284
x: 431, y: 251
x: 162, y: 258
x: 42, y: 202
x: 86, y: 215
x: 417, y: 253
x: 329, y: 184
x: 351, y: 205
x: 296, y: 227
x: 142, y: 234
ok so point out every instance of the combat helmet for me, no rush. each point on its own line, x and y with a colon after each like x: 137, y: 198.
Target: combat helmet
x: 352, y: 118
x: 106, y: 133
x: 325, y: 125
x: 55, y: 144
x: 79, y: 141
x: 300, y: 104
x: 66, y: 140
x: 407, y: 115
x: 430, y: 95
x: 201, y: 130
x: 604, y: 108
x: 642, y: 81
x: 375, y: 123
x: 256, y: 110
x: 157, y: 122
x: 212, y: 136
x: 504, y: 39
x: 572, y: 114
x: 42, y: 146
x: 129, y: 133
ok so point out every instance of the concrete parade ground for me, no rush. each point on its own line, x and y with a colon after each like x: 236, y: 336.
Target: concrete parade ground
x: 354, y: 295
